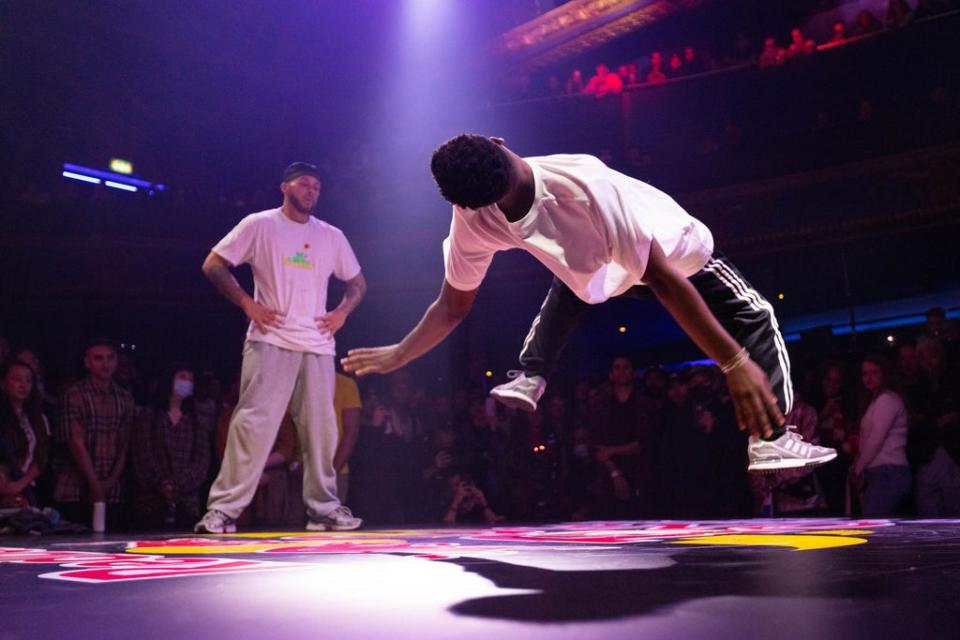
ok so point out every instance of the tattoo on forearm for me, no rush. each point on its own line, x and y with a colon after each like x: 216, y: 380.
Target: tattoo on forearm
x: 352, y: 295
x: 226, y: 284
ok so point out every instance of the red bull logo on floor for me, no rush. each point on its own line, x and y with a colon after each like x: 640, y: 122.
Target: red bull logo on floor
x: 198, y: 555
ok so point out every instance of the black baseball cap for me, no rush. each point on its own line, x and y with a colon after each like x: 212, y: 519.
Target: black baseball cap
x: 298, y: 169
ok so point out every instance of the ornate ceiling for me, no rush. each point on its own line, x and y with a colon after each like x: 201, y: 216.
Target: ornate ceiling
x: 581, y: 25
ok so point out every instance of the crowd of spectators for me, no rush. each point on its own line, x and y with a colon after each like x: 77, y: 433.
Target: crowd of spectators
x: 688, y: 60
x: 639, y: 443
x: 725, y: 142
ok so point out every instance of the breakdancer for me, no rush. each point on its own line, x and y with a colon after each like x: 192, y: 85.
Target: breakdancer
x: 602, y: 234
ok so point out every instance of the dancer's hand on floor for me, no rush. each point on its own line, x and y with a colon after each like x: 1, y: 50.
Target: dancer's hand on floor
x: 753, y: 399
x: 372, y: 360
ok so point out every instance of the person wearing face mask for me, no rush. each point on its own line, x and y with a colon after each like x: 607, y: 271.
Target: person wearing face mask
x: 171, y: 454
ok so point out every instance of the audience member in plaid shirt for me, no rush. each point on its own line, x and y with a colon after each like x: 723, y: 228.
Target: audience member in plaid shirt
x: 170, y: 453
x: 94, y: 431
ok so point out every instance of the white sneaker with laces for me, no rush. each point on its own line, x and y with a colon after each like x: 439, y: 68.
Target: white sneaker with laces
x: 215, y: 522
x: 340, y: 519
x: 789, y: 451
x: 521, y: 392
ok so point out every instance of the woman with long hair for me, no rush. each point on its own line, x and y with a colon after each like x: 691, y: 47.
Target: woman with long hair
x: 171, y: 454
x: 880, y: 468
x: 24, y: 435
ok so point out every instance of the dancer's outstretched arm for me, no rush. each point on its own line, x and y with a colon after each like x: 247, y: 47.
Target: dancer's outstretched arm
x: 440, y: 318
x: 753, y: 399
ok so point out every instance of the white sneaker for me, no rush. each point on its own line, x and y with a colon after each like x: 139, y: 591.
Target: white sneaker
x: 340, y: 519
x: 521, y: 392
x: 789, y: 451
x: 216, y: 522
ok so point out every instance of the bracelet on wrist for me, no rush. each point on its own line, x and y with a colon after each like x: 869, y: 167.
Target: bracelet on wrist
x: 736, y: 361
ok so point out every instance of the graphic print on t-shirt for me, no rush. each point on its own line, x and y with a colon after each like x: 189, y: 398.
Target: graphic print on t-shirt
x: 299, y: 259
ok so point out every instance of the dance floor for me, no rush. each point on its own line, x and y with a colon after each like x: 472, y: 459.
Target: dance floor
x: 823, y: 578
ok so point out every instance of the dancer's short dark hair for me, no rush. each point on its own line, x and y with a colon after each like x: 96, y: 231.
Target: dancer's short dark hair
x: 471, y: 171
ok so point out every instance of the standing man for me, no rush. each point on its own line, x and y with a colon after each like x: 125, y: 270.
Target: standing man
x: 96, y: 417
x: 289, y: 351
x: 626, y: 429
x: 602, y: 234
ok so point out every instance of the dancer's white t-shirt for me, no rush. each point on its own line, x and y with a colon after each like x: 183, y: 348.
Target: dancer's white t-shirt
x: 292, y: 264
x: 590, y: 225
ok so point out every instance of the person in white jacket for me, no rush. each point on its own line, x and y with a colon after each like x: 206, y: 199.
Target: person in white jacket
x: 880, y: 468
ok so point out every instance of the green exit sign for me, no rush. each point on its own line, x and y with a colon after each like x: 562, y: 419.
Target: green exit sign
x: 121, y: 166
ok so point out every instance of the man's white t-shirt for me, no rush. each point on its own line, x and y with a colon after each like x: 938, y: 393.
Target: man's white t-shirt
x: 590, y: 225
x: 292, y: 264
